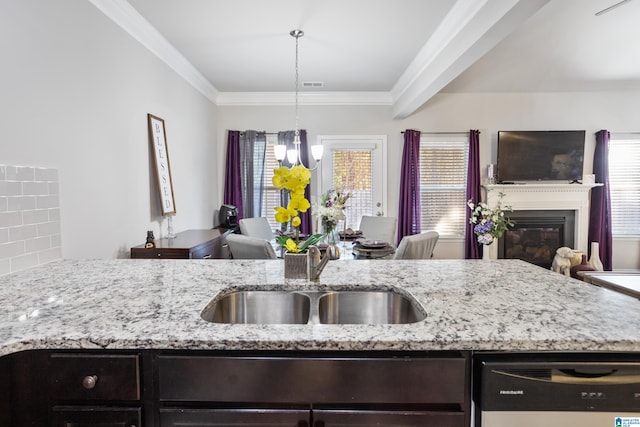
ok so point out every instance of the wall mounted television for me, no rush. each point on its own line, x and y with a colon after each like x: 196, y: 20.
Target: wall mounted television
x: 556, y: 155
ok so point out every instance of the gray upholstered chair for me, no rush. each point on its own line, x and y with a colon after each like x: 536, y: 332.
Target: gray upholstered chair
x: 245, y: 247
x: 382, y: 228
x: 417, y: 246
x: 256, y: 227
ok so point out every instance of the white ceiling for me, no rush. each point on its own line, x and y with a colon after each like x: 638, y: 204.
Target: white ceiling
x: 395, y: 52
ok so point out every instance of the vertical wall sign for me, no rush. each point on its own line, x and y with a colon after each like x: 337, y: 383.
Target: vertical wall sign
x: 158, y: 139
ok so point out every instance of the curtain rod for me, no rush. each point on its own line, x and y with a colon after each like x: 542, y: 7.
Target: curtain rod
x: 441, y: 133
x: 261, y: 131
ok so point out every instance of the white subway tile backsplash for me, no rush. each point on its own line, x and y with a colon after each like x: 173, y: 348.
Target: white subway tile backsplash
x: 38, y: 244
x: 43, y: 202
x: 36, y: 216
x: 11, y: 249
x: 29, y: 217
x: 21, y: 203
x: 54, y: 214
x: 24, y: 261
x: 48, y: 229
x: 56, y: 241
x: 23, y: 232
x: 46, y: 174
x: 5, y: 266
x: 10, y: 219
x: 36, y: 188
x: 21, y: 173
x: 10, y: 188
x: 49, y: 255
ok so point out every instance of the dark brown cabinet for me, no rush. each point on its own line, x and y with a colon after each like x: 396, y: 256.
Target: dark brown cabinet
x: 189, y: 244
x: 171, y: 388
x: 416, y: 389
x: 88, y: 388
x: 234, y: 417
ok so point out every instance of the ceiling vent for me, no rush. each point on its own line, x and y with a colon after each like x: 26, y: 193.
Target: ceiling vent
x: 312, y: 84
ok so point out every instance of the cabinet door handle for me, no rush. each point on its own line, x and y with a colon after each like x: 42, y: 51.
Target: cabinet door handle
x: 89, y: 381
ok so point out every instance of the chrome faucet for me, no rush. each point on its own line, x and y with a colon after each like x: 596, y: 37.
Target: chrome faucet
x: 316, y: 264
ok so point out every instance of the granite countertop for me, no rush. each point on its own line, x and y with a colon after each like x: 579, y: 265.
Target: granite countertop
x: 470, y: 305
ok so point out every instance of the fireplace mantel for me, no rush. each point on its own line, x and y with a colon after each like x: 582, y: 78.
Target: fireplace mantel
x: 547, y: 196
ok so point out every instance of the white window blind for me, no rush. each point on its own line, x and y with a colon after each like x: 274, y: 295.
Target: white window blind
x: 271, y: 195
x: 624, y: 179
x: 443, y: 181
x: 352, y: 173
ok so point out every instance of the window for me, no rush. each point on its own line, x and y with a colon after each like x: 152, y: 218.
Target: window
x: 352, y: 172
x: 271, y: 195
x: 443, y: 182
x: 355, y: 164
x: 624, y: 179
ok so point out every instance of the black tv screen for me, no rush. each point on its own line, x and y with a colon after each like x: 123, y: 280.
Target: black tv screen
x: 540, y: 155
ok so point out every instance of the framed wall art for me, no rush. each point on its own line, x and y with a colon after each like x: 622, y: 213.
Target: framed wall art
x: 158, y: 139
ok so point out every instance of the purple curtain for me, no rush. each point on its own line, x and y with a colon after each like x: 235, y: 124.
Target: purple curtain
x: 600, y: 215
x: 232, y: 180
x: 409, y: 206
x: 472, y: 249
x: 306, y: 226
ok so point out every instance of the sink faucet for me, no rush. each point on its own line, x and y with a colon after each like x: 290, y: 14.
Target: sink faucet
x: 316, y: 264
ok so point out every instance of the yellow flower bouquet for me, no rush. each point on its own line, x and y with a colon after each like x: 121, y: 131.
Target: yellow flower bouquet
x: 294, y: 180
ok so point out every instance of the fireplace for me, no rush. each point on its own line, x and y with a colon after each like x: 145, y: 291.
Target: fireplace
x: 551, y: 197
x: 537, y: 234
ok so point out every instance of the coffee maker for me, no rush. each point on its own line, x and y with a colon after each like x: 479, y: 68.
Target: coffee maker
x: 228, y: 216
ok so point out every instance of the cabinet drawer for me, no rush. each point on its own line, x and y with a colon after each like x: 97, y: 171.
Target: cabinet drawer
x: 89, y: 377
x: 205, y: 250
x: 316, y: 380
x: 160, y: 253
x: 97, y: 416
x: 234, y: 417
x: 355, y: 418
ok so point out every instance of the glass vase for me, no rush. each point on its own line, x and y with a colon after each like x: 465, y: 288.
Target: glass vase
x: 330, y: 231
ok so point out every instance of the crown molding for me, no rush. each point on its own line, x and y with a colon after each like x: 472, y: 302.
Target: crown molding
x: 123, y: 14
x: 304, y: 98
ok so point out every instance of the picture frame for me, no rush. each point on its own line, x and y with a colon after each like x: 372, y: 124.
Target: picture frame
x: 158, y: 140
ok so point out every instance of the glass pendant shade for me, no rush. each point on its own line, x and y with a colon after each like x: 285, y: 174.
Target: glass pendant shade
x: 292, y: 156
x: 280, y: 151
x: 316, y: 152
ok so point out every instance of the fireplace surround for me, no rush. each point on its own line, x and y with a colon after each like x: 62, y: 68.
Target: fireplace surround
x: 535, y: 197
x: 536, y: 235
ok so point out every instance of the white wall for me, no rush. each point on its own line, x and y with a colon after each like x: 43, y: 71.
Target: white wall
x: 76, y: 90
x: 457, y: 112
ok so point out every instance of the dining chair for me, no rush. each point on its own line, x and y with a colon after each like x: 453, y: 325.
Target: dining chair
x: 256, y: 227
x: 245, y: 247
x: 382, y: 228
x: 417, y: 246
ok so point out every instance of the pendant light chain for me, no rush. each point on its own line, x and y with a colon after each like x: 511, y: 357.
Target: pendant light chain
x: 297, y: 34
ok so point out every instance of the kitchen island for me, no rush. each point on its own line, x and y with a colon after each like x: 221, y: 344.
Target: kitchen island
x: 470, y: 305
x: 124, y: 341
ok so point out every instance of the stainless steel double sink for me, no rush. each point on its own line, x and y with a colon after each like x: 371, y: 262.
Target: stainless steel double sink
x: 372, y: 307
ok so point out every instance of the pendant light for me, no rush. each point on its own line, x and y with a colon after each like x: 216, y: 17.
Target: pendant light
x: 293, y: 155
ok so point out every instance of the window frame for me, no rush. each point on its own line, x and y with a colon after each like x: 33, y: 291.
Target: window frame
x: 631, y: 184
x: 437, y: 140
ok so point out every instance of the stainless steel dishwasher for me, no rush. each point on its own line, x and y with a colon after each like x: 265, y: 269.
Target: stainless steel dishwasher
x: 553, y: 390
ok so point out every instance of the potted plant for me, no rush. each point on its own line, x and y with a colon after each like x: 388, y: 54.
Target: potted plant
x: 294, y: 180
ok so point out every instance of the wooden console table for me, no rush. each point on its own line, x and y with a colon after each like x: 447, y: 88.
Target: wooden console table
x: 189, y: 244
